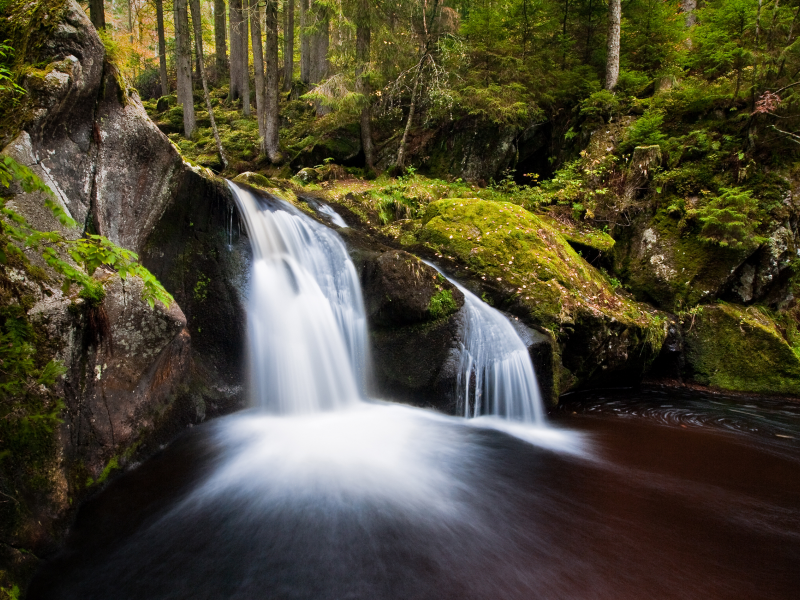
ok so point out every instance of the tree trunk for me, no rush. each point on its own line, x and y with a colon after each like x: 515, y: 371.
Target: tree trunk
x: 271, y: 117
x: 198, y: 40
x: 245, y: 58
x: 288, y: 44
x: 235, y: 21
x: 304, y: 46
x: 319, y: 41
x: 97, y: 13
x: 220, y: 41
x: 612, y: 58
x: 130, y: 21
x: 401, y: 153
x: 363, y: 33
x: 162, y: 47
x: 688, y: 7
x: 258, y: 67
x: 183, y: 55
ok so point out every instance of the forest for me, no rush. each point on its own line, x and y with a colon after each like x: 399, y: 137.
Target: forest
x: 610, y: 188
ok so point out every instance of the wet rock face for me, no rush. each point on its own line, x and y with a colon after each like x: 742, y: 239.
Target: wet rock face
x: 200, y: 253
x: 124, y: 362
x: 414, y: 349
x: 399, y: 289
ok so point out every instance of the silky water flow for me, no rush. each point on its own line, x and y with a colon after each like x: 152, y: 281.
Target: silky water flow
x: 318, y: 492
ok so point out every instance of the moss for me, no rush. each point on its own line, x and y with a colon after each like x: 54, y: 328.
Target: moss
x: 520, y: 253
x: 740, y: 349
x: 28, y: 27
x: 581, y: 234
x: 442, y: 304
x: 112, y: 465
x: 201, y: 288
x: 255, y: 179
x: 672, y: 267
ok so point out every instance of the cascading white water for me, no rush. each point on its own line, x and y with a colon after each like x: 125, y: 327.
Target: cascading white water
x: 495, y: 375
x: 307, y: 326
x: 306, y: 321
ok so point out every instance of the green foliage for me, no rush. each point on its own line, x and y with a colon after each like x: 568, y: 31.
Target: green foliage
x: 645, y: 131
x: 11, y: 593
x: 723, y: 37
x: 633, y: 83
x: 442, y: 304
x: 88, y: 252
x: 6, y: 76
x: 730, y: 219
x: 602, y: 104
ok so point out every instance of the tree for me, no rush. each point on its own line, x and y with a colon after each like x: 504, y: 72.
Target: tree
x: 258, y: 68
x: 304, y: 42
x: 319, y: 41
x: 363, y: 34
x: 97, y: 14
x: 183, y: 63
x: 162, y: 48
x: 688, y: 7
x: 240, y: 79
x: 220, y: 41
x: 429, y: 36
x: 288, y: 44
x: 612, y: 57
x: 197, y: 22
x: 271, y: 117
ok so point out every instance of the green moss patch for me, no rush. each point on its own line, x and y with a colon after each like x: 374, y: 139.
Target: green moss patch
x: 526, y: 257
x: 740, y: 349
x: 673, y: 268
x: 442, y: 304
x: 581, y: 234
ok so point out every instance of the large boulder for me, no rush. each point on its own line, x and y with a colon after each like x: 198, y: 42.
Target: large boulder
x: 740, y: 349
x: 89, y: 134
x: 673, y: 271
x: 133, y: 379
x: 664, y: 264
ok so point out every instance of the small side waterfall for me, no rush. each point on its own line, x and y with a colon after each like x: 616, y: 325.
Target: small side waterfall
x: 495, y: 375
x: 306, y: 322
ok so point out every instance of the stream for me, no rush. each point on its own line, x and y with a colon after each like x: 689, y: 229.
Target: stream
x: 318, y: 492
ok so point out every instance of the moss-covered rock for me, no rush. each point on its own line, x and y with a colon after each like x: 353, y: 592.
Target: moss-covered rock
x: 531, y: 270
x: 581, y: 236
x: 254, y: 179
x: 735, y: 348
x: 663, y: 264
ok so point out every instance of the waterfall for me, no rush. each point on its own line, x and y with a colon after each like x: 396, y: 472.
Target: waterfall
x: 495, y: 375
x: 307, y: 326
x: 307, y: 336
